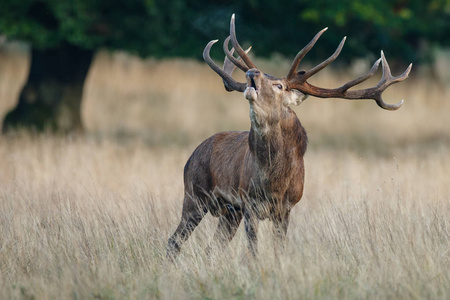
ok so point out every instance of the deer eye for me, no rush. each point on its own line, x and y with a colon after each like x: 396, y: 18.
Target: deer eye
x: 279, y: 86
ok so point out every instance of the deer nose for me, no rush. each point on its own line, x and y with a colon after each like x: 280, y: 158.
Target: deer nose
x: 252, y: 73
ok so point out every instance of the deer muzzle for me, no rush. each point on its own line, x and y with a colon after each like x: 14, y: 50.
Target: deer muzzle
x: 253, y: 84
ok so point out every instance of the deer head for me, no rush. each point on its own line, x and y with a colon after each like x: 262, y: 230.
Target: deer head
x: 266, y: 92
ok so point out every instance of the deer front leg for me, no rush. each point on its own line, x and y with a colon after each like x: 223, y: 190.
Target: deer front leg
x: 280, y: 226
x: 227, y: 227
x: 251, y: 229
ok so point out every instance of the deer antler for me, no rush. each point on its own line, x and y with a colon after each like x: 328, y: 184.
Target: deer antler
x: 231, y: 59
x: 229, y: 82
x: 238, y: 47
x: 230, y: 62
x: 299, y: 80
x: 298, y: 58
x: 229, y: 65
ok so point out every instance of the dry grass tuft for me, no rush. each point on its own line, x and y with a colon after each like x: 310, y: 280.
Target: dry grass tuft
x: 89, y: 216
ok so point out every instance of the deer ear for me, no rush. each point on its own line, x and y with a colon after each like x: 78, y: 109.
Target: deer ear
x: 295, y: 97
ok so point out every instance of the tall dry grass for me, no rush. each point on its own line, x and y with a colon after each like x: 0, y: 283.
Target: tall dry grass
x: 87, y: 217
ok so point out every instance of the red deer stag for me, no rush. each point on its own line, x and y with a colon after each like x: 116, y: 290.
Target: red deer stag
x: 259, y: 174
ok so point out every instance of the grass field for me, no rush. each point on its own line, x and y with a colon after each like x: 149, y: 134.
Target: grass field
x: 88, y: 217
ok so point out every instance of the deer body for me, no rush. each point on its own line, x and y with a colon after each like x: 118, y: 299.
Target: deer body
x: 256, y: 174
x: 241, y: 168
x: 259, y: 174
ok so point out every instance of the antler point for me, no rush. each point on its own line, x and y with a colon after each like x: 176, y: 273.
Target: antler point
x: 408, y: 70
x: 398, y: 105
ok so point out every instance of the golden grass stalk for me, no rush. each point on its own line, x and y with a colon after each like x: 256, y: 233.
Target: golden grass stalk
x: 89, y: 216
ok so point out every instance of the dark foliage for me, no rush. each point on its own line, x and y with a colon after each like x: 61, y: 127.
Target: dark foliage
x: 407, y: 30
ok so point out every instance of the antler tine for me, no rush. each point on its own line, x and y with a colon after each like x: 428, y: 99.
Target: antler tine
x: 325, y: 63
x: 231, y: 58
x: 298, y: 58
x: 230, y: 83
x: 362, y: 78
x: 387, y: 73
x: 229, y: 66
x: 387, y: 80
x: 238, y: 47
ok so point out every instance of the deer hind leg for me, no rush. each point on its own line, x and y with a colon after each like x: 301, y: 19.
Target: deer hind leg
x: 192, y: 213
x: 227, y: 227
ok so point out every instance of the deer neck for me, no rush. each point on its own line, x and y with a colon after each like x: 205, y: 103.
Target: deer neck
x: 276, y: 139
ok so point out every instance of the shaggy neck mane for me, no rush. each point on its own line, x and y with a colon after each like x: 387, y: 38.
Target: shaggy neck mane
x: 273, y: 147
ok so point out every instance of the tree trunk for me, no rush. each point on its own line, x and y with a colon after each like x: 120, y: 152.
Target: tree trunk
x: 51, y: 98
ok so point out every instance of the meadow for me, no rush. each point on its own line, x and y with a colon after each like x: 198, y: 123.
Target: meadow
x: 88, y: 216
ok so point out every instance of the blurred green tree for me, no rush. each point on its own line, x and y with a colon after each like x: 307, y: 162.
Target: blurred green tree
x: 64, y: 36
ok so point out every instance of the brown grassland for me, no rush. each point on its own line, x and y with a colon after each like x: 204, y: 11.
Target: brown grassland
x: 88, y: 217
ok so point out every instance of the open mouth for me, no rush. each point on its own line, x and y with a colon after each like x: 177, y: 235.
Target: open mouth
x: 251, y: 92
x: 252, y: 84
